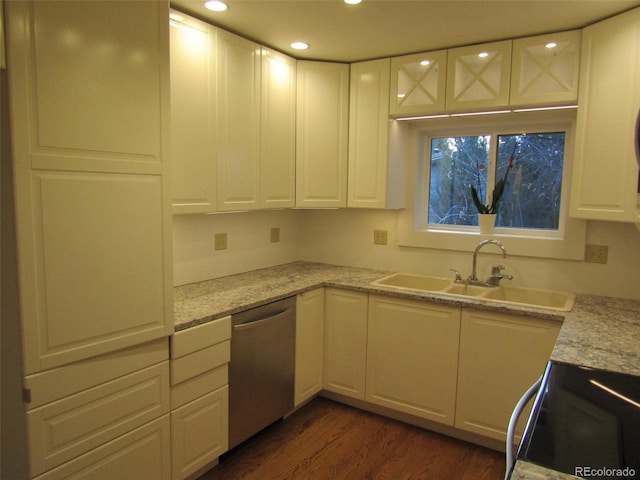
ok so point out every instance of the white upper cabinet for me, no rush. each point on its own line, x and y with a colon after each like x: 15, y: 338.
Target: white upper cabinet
x: 418, y: 83
x: 278, y: 139
x: 321, y: 134
x: 545, y: 69
x: 233, y: 121
x: 90, y: 104
x: 368, y: 134
x: 238, y: 122
x: 605, y: 172
x: 478, y: 76
x: 193, y: 153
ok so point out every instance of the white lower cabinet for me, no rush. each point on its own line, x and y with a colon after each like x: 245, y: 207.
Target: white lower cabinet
x: 460, y: 367
x: 412, y: 357
x: 309, y: 344
x: 199, y: 432
x: 94, y: 418
x: 143, y: 454
x: 199, y: 397
x: 501, y: 356
x: 345, y: 342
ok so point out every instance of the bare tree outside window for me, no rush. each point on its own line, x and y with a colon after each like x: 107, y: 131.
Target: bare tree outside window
x: 531, y: 199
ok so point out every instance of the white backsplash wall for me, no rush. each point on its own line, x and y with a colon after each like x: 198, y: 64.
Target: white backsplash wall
x: 345, y: 237
x: 248, y: 243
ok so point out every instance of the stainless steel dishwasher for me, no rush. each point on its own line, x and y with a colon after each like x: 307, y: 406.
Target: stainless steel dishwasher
x: 262, y: 368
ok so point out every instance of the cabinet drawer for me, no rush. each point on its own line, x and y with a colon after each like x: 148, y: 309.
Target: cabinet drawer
x: 62, y: 430
x: 198, y: 386
x: 197, y: 363
x: 199, y: 433
x: 202, y: 336
x: 143, y: 454
x: 62, y: 382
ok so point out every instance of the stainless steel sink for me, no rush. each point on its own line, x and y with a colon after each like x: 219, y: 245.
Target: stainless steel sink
x: 528, y: 297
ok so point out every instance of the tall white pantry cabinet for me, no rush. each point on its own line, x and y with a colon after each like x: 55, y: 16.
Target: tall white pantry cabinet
x: 88, y: 97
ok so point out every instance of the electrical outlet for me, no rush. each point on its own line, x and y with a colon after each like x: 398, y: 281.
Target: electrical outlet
x: 596, y: 254
x: 275, y: 234
x: 221, y: 241
x: 380, y: 237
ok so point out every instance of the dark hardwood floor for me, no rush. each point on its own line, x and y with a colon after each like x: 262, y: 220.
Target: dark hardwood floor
x: 326, y: 440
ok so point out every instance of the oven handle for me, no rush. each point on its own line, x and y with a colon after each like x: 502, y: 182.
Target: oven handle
x: 511, y: 430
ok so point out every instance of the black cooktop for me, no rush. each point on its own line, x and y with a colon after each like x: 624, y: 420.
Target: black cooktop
x: 585, y: 422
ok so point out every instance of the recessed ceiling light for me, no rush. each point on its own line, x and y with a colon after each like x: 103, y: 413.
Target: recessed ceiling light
x: 300, y: 45
x: 216, y: 5
x: 352, y: 2
x: 483, y: 54
x: 425, y: 62
x: 551, y: 45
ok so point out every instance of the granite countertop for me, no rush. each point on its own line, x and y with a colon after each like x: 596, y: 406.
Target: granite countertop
x: 600, y: 332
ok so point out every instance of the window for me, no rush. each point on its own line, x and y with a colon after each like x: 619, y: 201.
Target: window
x: 529, y: 164
x: 447, y: 156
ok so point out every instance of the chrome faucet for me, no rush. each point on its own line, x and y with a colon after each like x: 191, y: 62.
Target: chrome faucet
x: 496, y: 275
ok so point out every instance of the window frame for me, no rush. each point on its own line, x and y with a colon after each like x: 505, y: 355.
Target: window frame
x: 568, y: 242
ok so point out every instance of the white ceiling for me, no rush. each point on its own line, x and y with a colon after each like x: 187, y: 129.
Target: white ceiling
x: 380, y: 28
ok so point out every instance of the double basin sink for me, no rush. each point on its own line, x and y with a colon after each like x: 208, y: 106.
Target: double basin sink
x: 528, y: 297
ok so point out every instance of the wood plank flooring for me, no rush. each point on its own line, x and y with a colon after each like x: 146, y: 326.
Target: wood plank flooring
x: 326, y: 440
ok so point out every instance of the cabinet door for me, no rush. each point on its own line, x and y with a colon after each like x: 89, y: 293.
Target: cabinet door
x: 418, y: 84
x: 143, y: 454
x: 91, y: 187
x: 309, y: 344
x: 278, y: 140
x: 478, y: 76
x: 605, y: 172
x: 193, y: 154
x: 238, y: 122
x: 368, y: 134
x: 321, y: 134
x: 345, y: 342
x: 199, y: 433
x: 93, y: 99
x: 545, y: 69
x: 501, y: 356
x: 412, y: 358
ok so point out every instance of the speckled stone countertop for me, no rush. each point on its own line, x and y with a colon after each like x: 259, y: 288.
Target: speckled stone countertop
x: 600, y: 332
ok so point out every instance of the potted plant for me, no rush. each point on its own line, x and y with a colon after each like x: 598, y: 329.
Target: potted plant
x: 487, y: 212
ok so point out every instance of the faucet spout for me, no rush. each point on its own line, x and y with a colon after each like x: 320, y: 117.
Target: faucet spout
x: 474, y: 277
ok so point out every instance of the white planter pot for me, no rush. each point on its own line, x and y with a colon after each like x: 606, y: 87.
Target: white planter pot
x: 486, y: 221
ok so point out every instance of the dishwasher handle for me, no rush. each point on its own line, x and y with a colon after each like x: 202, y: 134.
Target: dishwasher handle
x: 262, y: 321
